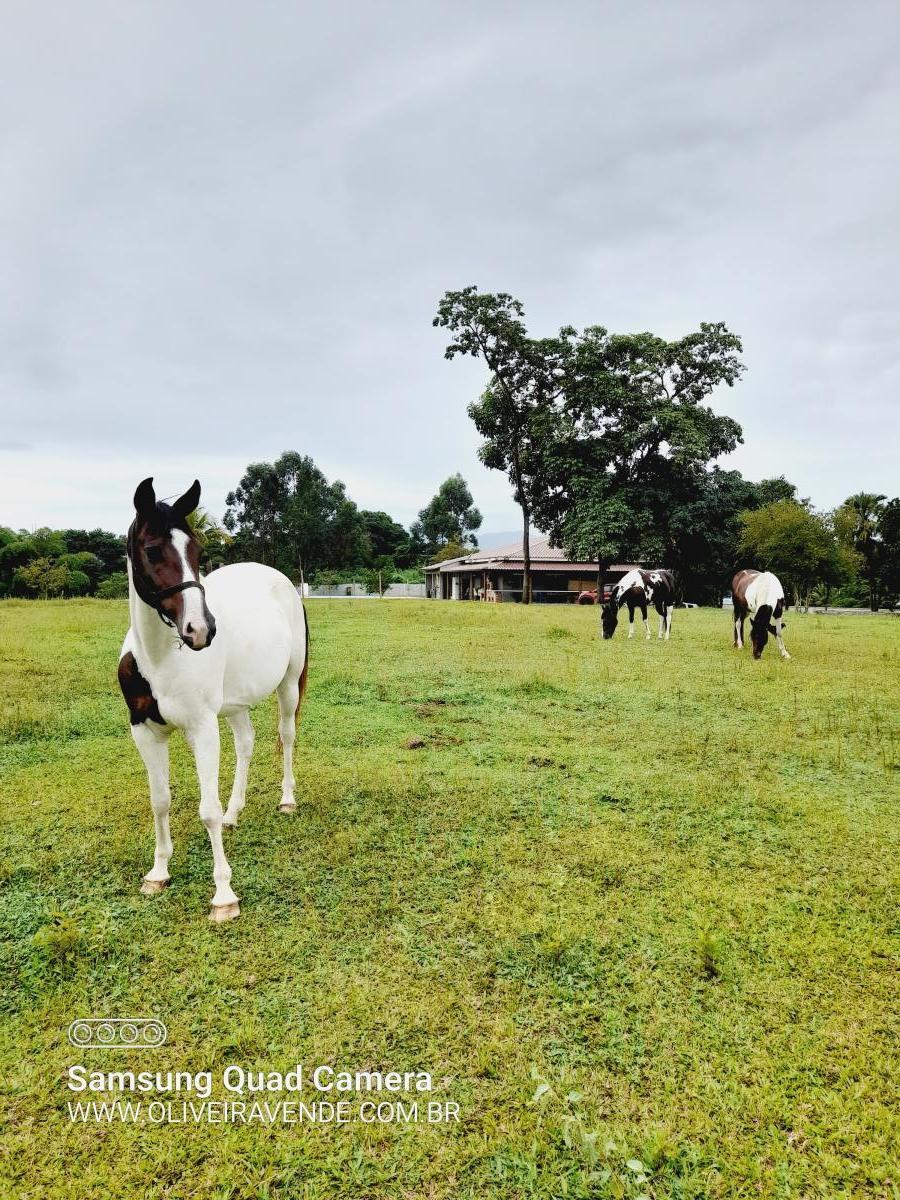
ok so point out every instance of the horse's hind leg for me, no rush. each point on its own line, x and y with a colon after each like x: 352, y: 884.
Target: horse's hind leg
x: 665, y: 617
x: 242, y: 728
x: 288, y: 693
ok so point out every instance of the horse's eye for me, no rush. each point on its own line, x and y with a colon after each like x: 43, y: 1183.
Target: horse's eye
x: 154, y: 554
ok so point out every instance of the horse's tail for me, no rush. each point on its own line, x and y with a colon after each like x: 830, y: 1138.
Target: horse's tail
x: 302, y: 680
x: 303, y: 673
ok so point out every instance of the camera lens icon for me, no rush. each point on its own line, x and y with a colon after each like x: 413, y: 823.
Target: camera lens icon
x: 155, y: 1033
x: 117, y: 1033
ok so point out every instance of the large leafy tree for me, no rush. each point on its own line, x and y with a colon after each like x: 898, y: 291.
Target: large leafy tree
x: 450, y: 516
x: 347, y: 541
x: 703, y: 528
x: 288, y: 515
x: 632, y: 435
x: 108, y: 547
x: 776, y: 488
x: 24, y: 548
x: 389, y: 541
x: 83, y: 563
x: 515, y: 410
x: 45, y: 577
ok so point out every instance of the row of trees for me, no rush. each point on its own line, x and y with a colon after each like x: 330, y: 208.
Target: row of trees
x: 61, y: 562
x: 286, y: 514
x: 610, y: 449
x: 845, y: 557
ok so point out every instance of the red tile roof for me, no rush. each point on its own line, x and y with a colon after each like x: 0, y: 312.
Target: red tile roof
x: 544, y: 557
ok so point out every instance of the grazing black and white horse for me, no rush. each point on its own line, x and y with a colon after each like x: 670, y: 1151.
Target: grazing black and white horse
x: 637, y: 589
x: 201, y: 648
x: 759, y: 596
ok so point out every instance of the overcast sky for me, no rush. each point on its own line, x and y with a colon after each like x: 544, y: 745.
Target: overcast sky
x: 224, y: 229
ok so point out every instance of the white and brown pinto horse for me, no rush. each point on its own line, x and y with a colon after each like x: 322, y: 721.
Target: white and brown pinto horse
x: 759, y: 596
x: 637, y: 589
x: 201, y: 648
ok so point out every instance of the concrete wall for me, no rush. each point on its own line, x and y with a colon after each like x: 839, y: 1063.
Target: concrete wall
x: 394, y: 591
x: 405, y: 591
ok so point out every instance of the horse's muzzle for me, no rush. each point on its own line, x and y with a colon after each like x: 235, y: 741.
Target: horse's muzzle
x: 198, y: 638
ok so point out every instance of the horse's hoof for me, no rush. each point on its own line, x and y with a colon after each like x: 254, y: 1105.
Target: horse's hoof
x: 224, y: 912
x: 152, y: 887
x: 287, y: 808
x: 230, y: 824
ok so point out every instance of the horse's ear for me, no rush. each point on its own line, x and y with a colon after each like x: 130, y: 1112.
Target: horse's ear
x: 145, y: 498
x: 186, y: 504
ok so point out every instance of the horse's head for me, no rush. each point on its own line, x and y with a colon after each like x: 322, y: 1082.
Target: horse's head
x: 609, y: 618
x: 165, y: 563
x: 760, y: 628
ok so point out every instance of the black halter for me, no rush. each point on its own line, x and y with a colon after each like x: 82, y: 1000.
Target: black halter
x: 155, y: 596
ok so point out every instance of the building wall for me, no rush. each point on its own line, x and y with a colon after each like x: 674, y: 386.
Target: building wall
x: 548, y: 587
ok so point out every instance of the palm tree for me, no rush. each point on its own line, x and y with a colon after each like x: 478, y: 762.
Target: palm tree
x: 863, y: 511
x: 213, y: 538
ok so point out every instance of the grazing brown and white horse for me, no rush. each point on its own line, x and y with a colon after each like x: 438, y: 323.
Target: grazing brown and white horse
x: 637, y: 589
x: 759, y: 596
x: 201, y: 648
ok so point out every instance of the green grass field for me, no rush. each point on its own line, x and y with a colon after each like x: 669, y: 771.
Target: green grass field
x: 630, y: 903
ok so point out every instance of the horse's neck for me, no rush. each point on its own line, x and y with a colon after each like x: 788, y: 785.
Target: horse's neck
x: 154, y: 640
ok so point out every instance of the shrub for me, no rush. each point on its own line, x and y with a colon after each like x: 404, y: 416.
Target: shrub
x: 114, y: 586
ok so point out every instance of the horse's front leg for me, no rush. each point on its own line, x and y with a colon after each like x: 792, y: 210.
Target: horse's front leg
x: 204, y: 741
x: 153, y: 747
x: 242, y: 728
x: 780, y: 640
x: 646, y: 622
x: 630, y: 621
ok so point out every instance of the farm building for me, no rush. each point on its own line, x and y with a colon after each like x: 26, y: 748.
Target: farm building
x: 497, y: 575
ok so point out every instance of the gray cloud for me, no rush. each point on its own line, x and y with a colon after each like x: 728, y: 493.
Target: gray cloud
x: 224, y: 230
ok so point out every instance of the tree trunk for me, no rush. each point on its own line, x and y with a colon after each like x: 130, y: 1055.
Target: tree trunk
x: 526, y: 555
